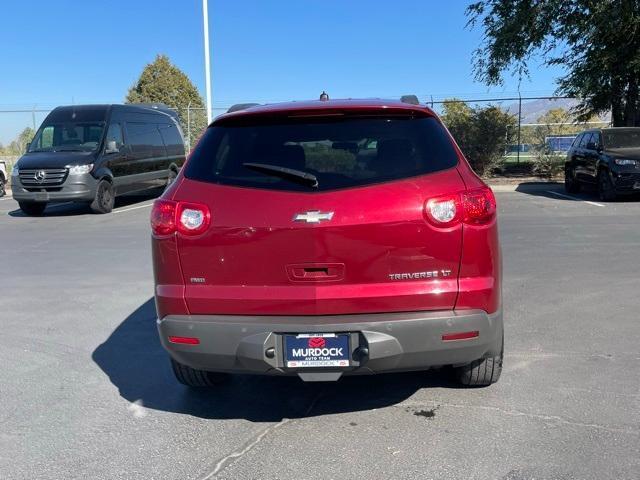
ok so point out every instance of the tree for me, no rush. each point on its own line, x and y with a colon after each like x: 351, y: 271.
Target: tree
x: 481, y: 133
x: 24, y: 138
x: 18, y: 146
x: 163, y: 82
x: 596, y: 41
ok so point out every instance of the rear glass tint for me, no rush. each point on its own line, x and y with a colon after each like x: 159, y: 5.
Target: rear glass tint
x: 340, y: 153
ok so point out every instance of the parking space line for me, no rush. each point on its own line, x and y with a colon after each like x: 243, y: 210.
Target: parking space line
x: 6, y: 198
x: 120, y: 210
x: 574, y: 198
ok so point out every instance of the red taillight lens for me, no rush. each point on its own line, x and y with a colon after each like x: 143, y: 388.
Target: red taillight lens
x: 479, y: 206
x: 449, y: 337
x: 168, y: 217
x: 185, y: 340
x: 163, y: 217
x: 474, y: 207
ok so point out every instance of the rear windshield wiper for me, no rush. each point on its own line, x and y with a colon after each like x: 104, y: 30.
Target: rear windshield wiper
x: 298, y: 176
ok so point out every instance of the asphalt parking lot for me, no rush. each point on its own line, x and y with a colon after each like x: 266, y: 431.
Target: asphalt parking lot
x: 86, y: 390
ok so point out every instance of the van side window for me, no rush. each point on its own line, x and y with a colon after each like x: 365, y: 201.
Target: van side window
x: 115, y: 133
x: 172, y: 139
x: 145, y: 139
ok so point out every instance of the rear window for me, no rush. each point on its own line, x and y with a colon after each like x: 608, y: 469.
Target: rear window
x: 627, y: 138
x: 339, y: 153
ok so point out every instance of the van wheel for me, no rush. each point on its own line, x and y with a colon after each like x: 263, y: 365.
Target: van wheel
x: 171, y: 178
x: 34, y: 209
x: 571, y: 185
x: 3, y: 190
x: 196, y: 378
x: 606, y: 192
x: 481, y: 373
x: 105, y: 198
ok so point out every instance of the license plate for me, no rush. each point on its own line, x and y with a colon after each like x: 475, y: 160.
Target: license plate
x: 42, y: 197
x: 316, y: 350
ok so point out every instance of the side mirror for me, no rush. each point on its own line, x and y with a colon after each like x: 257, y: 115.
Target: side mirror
x: 26, y: 147
x: 112, y: 147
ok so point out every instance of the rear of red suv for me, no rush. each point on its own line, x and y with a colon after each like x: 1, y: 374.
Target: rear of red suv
x: 328, y: 238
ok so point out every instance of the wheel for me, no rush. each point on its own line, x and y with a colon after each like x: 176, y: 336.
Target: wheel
x: 105, y: 198
x: 606, y: 191
x: 33, y: 208
x: 481, y: 373
x: 571, y: 185
x: 196, y: 378
x: 171, y: 178
x: 3, y: 183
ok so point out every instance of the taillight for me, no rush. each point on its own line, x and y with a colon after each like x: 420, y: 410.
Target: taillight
x: 192, y: 218
x: 444, y: 211
x: 479, y: 206
x: 163, y: 217
x: 474, y: 207
x: 168, y: 217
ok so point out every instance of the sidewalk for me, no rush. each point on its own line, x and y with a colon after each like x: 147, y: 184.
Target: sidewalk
x: 511, y: 184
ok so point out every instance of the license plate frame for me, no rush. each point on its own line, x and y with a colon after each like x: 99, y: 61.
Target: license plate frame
x: 317, y: 350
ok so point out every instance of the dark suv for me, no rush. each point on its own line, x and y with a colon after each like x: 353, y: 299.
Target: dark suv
x: 328, y: 238
x: 608, y: 158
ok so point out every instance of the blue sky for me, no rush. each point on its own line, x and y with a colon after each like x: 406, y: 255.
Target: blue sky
x: 87, y: 51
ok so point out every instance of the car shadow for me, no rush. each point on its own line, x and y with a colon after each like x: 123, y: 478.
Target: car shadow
x: 71, y: 209
x: 137, y: 365
x: 556, y: 191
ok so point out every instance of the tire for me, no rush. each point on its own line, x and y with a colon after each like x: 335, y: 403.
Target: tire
x: 105, y: 198
x: 606, y: 192
x: 196, y: 378
x: 33, y: 209
x: 482, y: 372
x: 571, y: 185
x: 171, y: 178
x: 3, y: 183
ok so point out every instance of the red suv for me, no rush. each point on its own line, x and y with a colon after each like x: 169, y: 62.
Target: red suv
x: 328, y: 238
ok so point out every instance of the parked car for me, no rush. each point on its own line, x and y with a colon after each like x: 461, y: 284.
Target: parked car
x: 3, y: 178
x: 328, y: 238
x: 608, y: 158
x: 92, y: 153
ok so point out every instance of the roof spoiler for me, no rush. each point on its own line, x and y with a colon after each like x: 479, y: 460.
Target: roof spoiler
x: 241, y: 106
x: 412, y: 99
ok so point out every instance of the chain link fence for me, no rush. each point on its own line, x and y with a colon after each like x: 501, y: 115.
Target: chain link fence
x: 498, y: 135
x: 515, y: 135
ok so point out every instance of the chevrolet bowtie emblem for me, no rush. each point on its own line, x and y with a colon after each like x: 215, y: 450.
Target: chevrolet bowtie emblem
x: 313, y: 216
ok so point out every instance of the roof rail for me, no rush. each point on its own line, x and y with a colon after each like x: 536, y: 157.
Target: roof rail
x: 412, y: 99
x: 155, y: 106
x: 161, y: 107
x: 241, y: 106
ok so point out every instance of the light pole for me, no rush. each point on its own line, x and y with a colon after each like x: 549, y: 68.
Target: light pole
x: 207, y: 66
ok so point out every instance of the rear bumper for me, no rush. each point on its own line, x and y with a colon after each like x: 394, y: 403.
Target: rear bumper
x: 78, y: 188
x: 395, y: 341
